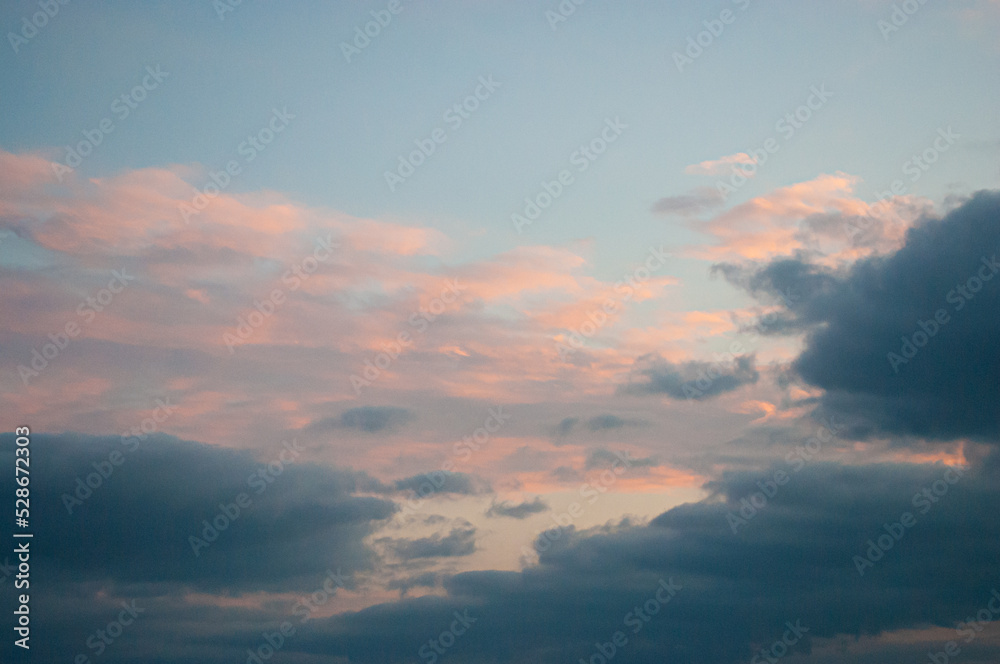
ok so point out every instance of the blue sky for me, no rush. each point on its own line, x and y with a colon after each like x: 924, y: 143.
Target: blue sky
x: 557, y: 88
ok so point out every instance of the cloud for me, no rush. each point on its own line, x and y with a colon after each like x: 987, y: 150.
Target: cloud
x: 900, y: 343
x: 689, y: 380
x: 197, y: 284
x: 699, y: 200
x: 459, y: 542
x: 722, y: 165
x: 442, y: 482
x: 424, y: 580
x: 597, y: 423
x: 820, y: 217
x: 601, y: 458
x: 567, y: 425
x: 566, y: 474
x: 606, y: 422
x: 519, y: 511
x: 793, y: 562
x: 368, y: 419
x: 135, y: 526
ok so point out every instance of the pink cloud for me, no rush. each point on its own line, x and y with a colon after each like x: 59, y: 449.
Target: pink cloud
x: 822, y: 216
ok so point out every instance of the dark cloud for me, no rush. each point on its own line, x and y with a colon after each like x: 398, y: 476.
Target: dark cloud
x: 699, y: 200
x: 134, y: 527
x: 609, y: 422
x: 460, y: 541
x: 604, y: 422
x: 601, y: 458
x: 518, y: 511
x: 597, y: 423
x: 690, y: 380
x: 368, y: 419
x: 874, y: 344
x: 567, y: 474
x: 440, y: 481
x: 565, y: 427
x: 792, y: 562
x: 424, y: 580
x: 434, y: 519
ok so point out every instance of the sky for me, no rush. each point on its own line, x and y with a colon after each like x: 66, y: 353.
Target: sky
x: 405, y: 331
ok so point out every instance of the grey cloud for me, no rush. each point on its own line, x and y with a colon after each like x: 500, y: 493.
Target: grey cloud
x: 607, y: 422
x: 367, y: 419
x: 689, y: 380
x: 793, y: 562
x: 565, y: 427
x: 460, y: 541
x: 439, y: 481
x: 873, y: 342
x: 134, y: 528
x: 519, y: 511
x: 699, y: 200
x: 601, y: 458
